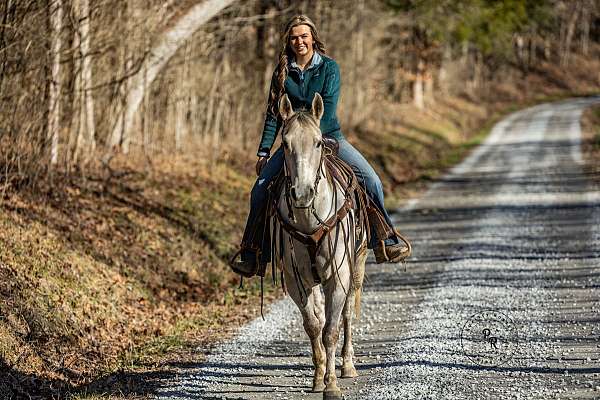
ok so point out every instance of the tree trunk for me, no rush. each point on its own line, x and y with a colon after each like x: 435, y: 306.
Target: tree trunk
x: 443, y: 71
x: 84, y: 102
x: 418, y: 95
x: 87, y: 79
x: 216, y: 133
x: 212, y: 97
x: 586, y: 16
x: 159, y: 55
x: 532, y: 57
x: 358, y: 98
x: 127, y: 18
x: 569, y: 32
x: 464, y: 53
x: 56, y: 24
x: 269, y: 50
x: 76, y: 108
x: 520, y: 51
x: 182, y: 100
x: 261, y: 30
x: 418, y: 92
x: 144, y: 118
x: 477, y: 71
x: 547, y: 49
x: 428, y: 84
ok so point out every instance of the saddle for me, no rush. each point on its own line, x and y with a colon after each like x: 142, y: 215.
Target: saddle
x: 267, y: 235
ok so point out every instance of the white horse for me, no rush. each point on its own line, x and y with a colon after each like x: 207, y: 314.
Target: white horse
x: 317, y: 245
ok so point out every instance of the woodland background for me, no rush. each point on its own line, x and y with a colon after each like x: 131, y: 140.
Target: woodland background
x: 128, y: 133
x: 83, y: 80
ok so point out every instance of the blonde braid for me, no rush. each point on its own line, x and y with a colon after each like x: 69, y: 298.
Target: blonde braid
x: 279, y: 88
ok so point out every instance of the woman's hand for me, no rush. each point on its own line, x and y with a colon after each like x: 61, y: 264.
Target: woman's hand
x: 260, y: 164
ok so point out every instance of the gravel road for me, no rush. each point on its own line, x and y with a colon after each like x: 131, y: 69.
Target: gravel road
x: 501, y: 299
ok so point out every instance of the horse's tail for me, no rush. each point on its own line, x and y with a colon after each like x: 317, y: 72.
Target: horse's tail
x: 358, y: 275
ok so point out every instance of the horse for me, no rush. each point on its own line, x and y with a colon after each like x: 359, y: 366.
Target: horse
x: 319, y: 243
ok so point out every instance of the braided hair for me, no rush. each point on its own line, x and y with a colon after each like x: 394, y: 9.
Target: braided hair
x: 281, y: 71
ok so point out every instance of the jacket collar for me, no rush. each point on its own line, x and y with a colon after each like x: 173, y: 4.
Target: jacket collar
x: 314, y: 62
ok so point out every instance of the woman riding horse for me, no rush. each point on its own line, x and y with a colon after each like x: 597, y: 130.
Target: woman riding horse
x: 302, y: 71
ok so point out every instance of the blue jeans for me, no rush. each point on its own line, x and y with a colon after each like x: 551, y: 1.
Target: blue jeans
x: 365, y: 174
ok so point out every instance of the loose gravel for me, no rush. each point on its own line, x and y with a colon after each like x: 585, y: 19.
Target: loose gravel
x: 509, y: 241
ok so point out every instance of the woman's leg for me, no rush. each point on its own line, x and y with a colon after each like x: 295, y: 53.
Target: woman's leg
x: 369, y: 180
x: 255, y: 225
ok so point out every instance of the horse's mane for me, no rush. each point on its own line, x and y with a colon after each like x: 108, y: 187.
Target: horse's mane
x: 304, y: 118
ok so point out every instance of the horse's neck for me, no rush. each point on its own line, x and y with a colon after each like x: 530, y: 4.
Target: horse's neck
x: 328, y: 200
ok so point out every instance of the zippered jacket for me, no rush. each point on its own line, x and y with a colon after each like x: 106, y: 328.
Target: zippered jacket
x: 323, y: 77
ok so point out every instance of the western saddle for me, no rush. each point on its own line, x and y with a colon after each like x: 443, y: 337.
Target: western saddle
x: 367, y: 217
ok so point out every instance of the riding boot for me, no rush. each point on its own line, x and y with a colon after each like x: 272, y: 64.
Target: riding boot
x: 255, y: 250
x: 386, y: 246
x: 249, y: 264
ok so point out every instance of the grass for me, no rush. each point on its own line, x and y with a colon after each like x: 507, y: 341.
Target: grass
x: 96, y: 280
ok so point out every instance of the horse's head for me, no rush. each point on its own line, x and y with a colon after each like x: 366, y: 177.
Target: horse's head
x: 303, y: 148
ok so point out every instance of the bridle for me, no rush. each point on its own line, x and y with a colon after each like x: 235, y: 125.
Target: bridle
x: 288, y: 187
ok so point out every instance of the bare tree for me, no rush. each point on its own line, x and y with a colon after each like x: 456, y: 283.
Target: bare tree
x: 83, y: 110
x: 56, y: 25
x: 418, y: 86
x: 167, y: 76
x: 567, y: 33
x: 169, y: 42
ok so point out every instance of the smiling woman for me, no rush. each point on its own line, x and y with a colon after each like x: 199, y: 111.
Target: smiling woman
x: 302, y: 42
x: 303, y: 71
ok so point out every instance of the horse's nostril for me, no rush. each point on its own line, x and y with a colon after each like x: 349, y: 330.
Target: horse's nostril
x: 293, y: 193
x: 312, y: 192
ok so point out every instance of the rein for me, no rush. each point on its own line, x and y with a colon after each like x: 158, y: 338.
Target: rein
x: 288, y: 186
x: 314, y: 239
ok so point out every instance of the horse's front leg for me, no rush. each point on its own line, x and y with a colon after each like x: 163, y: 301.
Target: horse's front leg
x: 335, y: 298
x: 313, y: 318
x: 348, y: 370
x: 316, y: 338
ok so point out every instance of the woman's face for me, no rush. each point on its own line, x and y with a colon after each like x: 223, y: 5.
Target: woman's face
x: 301, y: 40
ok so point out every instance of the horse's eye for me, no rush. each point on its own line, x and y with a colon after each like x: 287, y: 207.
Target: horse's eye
x: 286, y: 145
x: 319, y: 143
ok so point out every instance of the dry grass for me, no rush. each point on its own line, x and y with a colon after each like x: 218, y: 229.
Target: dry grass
x: 97, y: 277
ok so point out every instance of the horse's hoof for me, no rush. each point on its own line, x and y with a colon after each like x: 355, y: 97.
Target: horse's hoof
x: 318, y: 387
x: 349, y: 372
x: 333, y: 395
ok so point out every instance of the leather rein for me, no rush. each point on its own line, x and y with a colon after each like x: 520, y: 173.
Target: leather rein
x: 314, y: 239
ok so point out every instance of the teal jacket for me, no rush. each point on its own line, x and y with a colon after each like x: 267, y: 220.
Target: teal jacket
x: 323, y: 77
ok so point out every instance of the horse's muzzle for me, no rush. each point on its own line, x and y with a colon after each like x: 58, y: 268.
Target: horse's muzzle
x: 302, y: 199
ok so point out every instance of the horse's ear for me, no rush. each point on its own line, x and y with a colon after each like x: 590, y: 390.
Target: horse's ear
x: 317, y: 107
x: 285, y: 107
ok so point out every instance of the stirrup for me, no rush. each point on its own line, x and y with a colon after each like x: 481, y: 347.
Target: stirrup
x: 393, y: 253
x: 247, y: 269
